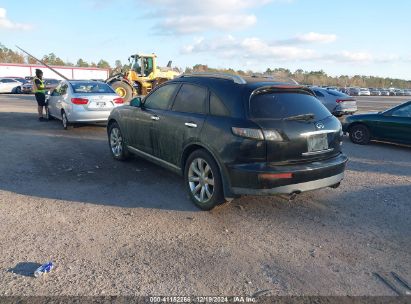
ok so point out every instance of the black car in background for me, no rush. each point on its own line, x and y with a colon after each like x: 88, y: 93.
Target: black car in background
x: 230, y: 136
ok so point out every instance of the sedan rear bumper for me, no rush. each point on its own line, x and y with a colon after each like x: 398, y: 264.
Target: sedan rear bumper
x: 88, y: 116
x: 346, y: 108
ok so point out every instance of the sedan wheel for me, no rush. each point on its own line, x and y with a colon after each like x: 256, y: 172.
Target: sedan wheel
x: 360, y: 134
x: 64, y: 120
x: 116, y: 142
x: 48, y: 116
x: 203, y: 180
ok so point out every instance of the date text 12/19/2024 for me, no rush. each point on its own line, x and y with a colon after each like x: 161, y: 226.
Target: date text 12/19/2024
x: 202, y: 299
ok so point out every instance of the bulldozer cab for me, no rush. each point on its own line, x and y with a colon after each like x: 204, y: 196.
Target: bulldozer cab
x: 142, y: 65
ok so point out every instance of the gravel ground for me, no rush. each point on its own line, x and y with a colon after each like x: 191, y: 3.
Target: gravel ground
x: 130, y: 229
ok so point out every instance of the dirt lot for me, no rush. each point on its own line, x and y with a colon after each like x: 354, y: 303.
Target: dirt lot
x: 129, y: 228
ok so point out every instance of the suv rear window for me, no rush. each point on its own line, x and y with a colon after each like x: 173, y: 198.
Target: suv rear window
x: 281, y: 105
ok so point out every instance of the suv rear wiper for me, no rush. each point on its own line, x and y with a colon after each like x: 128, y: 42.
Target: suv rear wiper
x: 304, y: 117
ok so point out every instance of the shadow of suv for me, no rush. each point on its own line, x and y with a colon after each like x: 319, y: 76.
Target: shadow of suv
x: 230, y: 136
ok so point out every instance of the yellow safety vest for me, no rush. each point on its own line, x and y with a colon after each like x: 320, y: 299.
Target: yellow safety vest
x: 40, y: 88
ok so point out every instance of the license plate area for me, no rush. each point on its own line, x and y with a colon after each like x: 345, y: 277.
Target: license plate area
x: 97, y: 105
x: 317, y: 142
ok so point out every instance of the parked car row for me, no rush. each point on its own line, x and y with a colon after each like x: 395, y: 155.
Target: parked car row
x: 376, y: 92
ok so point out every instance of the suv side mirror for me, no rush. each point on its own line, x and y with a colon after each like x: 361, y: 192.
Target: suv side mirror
x: 136, y: 102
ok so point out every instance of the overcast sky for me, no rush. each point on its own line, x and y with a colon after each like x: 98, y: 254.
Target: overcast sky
x: 340, y: 37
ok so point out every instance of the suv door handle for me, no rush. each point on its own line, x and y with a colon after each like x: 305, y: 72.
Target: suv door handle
x: 190, y: 125
x: 154, y: 117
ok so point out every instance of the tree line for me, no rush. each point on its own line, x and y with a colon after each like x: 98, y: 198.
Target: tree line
x: 319, y: 78
x: 9, y: 56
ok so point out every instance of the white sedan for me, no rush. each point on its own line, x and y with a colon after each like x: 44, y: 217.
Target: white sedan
x: 10, y: 85
x: 82, y: 101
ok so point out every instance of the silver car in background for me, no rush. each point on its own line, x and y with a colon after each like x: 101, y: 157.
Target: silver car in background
x: 364, y: 92
x: 82, y: 101
x: 385, y: 92
x: 337, y: 103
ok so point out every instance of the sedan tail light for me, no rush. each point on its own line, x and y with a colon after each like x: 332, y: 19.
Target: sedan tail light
x: 118, y: 100
x: 342, y: 100
x: 79, y: 101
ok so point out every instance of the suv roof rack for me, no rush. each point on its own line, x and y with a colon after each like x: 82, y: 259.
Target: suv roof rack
x: 235, y: 78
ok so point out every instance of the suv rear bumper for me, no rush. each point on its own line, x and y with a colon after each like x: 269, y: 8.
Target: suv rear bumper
x: 265, y: 179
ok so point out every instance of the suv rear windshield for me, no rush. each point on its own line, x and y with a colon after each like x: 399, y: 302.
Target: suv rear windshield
x: 91, y: 87
x: 281, y: 105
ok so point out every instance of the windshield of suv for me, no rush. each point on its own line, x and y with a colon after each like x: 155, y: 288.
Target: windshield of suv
x: 91, y: 87
x: 282, y: 105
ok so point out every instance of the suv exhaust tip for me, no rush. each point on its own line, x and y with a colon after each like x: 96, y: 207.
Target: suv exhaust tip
x: 292, y: 196
x: 335, y: 186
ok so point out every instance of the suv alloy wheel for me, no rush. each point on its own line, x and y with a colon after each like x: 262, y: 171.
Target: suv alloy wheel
x: 116, y: 142
x: 203, y: 180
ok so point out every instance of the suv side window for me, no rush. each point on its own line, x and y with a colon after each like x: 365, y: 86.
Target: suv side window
x: 191, y: 99
x: 161, y: 98
x: 217, y: 107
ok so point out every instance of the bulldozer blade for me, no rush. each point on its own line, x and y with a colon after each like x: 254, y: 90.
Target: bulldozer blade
x: 43, y: 63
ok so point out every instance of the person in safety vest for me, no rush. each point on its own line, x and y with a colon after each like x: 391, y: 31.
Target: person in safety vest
x: 39, y: 90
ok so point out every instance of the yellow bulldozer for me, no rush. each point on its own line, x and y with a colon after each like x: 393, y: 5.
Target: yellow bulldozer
x: 141, y: 77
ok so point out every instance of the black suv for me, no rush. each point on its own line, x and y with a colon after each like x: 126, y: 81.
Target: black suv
x: 229, y: 136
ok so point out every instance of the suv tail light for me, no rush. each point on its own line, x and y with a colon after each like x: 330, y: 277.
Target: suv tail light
x: 79, y: 101
x: 271, y: 135
x: 248, y: 133
x: 118, y: 100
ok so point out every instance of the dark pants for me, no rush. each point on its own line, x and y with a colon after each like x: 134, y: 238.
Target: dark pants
x: 41, y: 99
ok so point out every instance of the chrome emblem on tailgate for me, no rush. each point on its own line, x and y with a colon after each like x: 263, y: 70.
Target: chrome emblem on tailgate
x: 319, y: 125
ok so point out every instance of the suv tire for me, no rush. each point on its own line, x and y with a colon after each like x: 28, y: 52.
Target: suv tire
x: 118, y: 148
x: 203, y: 180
